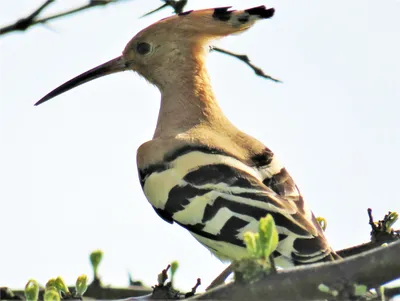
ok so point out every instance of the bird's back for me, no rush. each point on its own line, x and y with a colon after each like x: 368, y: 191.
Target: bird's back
x: 218, y: 183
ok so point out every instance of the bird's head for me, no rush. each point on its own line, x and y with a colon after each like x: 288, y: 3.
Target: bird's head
x: 166, y: 48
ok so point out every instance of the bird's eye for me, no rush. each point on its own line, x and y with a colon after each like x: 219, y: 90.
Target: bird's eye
x: 143, y: 48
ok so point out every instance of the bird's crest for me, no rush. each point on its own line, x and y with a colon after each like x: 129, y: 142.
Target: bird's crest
x: 209, y: 24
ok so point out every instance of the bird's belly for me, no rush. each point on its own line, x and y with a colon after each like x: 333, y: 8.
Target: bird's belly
x: 224, y: 251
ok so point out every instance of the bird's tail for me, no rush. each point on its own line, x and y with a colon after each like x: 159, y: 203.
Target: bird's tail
x: 330, y: 255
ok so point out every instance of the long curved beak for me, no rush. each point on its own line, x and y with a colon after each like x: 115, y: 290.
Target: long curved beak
x: 115, y: 65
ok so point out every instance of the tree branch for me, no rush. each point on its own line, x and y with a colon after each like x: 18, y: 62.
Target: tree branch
x: 372, y: 268
x: 31, y: 20
x: 220, y: 278
x: 24, y: 23
x: 244, y: 58
x: 177, y: 5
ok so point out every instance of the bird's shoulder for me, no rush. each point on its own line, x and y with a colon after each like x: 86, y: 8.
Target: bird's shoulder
x: 235, y: 144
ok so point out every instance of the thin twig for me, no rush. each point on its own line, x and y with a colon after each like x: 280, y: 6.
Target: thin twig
x: 194, y: 288
x: 220, y: 278
x: 155, y: 10
x: 177, y: 5
x: 244, y: 58
x: 371, y: 220
x: 163, y: 276
x: 273, y: 265
x: 24, y: 23
x: 30, y: 21
x: 32, y: 16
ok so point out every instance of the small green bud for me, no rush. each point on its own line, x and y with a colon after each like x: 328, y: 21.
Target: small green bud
x: 390, y: 219
x: 81, y: 285
x: 51, y: 294
x: 51, y: 283
x: 95, y: 259
x: 61, y: 286
x: 322, y: 222
x: 360, y: 290
x: 269, y: 238
x: 325, y: 289
x: 174, y: 268
x: 251, y: 243
x: 32, y: 290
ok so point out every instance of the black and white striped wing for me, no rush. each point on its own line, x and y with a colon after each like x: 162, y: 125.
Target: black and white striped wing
x: 218, y: 198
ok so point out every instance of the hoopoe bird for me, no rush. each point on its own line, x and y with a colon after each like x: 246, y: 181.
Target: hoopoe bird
x: 200, y: 171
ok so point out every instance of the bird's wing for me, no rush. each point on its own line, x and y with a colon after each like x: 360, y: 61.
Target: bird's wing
x: 219, y: 198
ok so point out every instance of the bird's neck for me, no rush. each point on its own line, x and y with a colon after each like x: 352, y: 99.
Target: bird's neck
x: 187, y: 101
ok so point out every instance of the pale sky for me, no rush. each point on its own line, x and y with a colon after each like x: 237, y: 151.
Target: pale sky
x: 68, y: 178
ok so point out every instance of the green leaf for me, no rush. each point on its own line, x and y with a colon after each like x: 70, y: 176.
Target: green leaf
x: 259, y: 250
x: 51, y: 283
x: 81, y: 285
x: 269, y: 238
x: 32, y: 290
x: 390, y: 219
x: 60, y: 285
x: 251, y: 243
x: 326, y: 289
x: 360, y: 290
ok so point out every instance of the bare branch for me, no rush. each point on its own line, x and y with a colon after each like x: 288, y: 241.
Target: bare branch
x: 31, y: 20
x: 371, y: 268
x: 24, y: 23
x: 32, y: 16
x: 177, y: 5
x: 155, y: 10
x: 244, y: 58
x: 220, y: 278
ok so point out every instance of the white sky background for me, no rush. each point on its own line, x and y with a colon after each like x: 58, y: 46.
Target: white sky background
x: 68, y: 179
